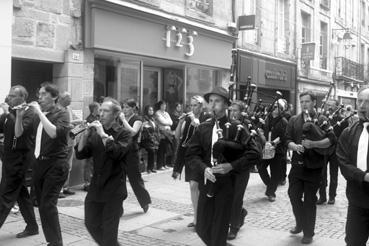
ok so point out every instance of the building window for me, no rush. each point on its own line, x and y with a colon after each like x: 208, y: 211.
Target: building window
x: 306, y: 27
x: 339, y: 8
x: 363, y: 13
x: 199, y: 80
x: 250, y: 36
x: 282, y: 25
x: 323, y: 45
x: 202, y: 9
x: 325, y: 4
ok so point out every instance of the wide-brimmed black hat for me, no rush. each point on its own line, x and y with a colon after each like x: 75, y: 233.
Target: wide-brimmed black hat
x: 220, y: 91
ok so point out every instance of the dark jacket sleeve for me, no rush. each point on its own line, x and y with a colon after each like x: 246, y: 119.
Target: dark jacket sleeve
x: 85, y: 152
x: 2, y: 122
x: 116, y: 149
x: 62, y: 124
x: 290, y: 131
x: 194, y: 154
x: 347, y: 165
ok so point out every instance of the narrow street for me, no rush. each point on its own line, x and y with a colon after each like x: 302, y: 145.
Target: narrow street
x: 165, y: 223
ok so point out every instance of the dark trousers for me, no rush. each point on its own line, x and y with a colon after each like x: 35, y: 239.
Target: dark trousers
x: 162, y: 159
x: 303, y: 186
x: 213, y: 214
x: 240, y: 183
x: 357, y: 226
x: 283, y: 172
x: 333, y: 178
x: 102, y: 220
x: 14, y: 189
x: 150, y: 158
x: 135, y: 179
x: 272, y: 180
x: 49, y: 177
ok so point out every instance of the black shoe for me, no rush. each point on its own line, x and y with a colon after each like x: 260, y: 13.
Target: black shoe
x: 271, y: 198
x: 153, y: 171
x: 321, y: 201
x: 232, y: 234
x: 191, y: 224
x: 86, y: 187
x: 331, y: 201
x: 26, y: 233
x: 68, y: 192
x: 61, y: 195
x: 145, y: 208
x: 307, y: 240
x: 295, y: 230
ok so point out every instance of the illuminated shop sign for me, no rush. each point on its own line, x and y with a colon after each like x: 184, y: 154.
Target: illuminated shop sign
x: 180, y: 38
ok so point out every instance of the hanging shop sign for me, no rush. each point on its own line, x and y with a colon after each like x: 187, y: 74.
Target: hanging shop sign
x: 307, y: 51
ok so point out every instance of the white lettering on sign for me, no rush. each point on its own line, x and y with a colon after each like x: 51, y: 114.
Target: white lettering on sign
x: 178, y: 41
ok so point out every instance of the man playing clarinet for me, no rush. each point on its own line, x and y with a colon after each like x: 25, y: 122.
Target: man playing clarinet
x: 207, y: 148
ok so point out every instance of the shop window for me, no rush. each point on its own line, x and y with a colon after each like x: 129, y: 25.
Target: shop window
x: 200, y: 81
x: 151, y: 79
x: 173, y: 87
x: 128, y: 81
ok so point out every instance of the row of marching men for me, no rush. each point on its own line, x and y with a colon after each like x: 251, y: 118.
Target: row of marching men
x: 222, y: 148
x: 44, y: 128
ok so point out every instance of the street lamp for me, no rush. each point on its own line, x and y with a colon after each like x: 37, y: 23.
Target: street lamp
x: 346, y: 38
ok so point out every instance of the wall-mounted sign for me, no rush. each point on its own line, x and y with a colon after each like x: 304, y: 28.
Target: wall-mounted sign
x: 277, y: 75
x: 246, y: 22
x: 307, y: 51
x: 180, y: 38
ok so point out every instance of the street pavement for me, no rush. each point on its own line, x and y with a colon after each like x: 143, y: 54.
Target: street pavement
x: 166, y: 221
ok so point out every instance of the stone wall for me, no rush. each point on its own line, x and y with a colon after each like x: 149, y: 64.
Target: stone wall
x: 44, y: 29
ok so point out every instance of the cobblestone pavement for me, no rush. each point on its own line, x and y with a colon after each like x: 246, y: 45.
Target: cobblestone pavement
x: 173, y: 199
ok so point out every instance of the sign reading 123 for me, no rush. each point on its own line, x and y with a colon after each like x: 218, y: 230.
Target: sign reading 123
x: 179, y: 42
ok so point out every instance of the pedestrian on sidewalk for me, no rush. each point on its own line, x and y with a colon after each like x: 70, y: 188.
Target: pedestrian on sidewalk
x: 352, y: 154
x: 51, y: 125
x: 132, y: 122
x: 164, y: 122
x: 107, y: 142
x: 17, y: 127
x: 214, y: 206
x: 307, y: 165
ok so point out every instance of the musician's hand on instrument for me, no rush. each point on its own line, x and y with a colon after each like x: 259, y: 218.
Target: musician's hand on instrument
x: 299, y: 149
x: 222, y: 168
x: 20, y: 111
x: 195, y: 122
x: 36, y: 107
x: 308, y: 144
x: 99, y: 128
x: 208, y: 174
x: 122, y: 116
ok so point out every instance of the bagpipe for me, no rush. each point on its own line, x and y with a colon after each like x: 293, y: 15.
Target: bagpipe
x: 316, y: 126
x: 230, y: 146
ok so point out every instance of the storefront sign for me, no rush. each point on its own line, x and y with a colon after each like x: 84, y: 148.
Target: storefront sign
x: 277, y: 75
x: 307, y: 51
x: 246, y: 22
x: 182, y: 38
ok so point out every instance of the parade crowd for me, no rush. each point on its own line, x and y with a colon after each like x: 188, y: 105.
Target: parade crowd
x: 218, y: 141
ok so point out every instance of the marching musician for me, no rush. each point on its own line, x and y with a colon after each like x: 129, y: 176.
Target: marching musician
x: 334, y: 117
x: 352, y: 154
x: 275, y: 127
x: 241, y: 180
x: 107, y: 142
x: 214, y: 206
x: 184, y: 131
x: 51, y: 125
x: 18, y: 141
x: 307, y: 164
